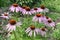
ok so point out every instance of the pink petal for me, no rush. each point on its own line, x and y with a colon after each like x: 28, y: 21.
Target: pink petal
x: 30, y: 33
x: 52, y: 24
x: 12, y: 8
x: 28, y: 30
x: 35, y: 19
x: 17, y: 9
x: 40, y: 20
x: 37, y: 30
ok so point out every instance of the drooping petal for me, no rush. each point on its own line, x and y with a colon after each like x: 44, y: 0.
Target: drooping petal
x: 42, y: 33
x: 37, y: 30
x: 30, y: 13
x: 10, y: 27
x: 27, y: 12
x: 6, y: 17
x: 20, y: 9
x: 17, y: 9
x: 40, y: 20
x: 30, y: 33
x: 46, y: 10
x: 34, y: 33
x: 28, y: 30
x: 39, y: 10
x: 33, y: 11
x: 18, y: 24
x: 52, y: 24
x: 12, y: 8
x: 24, y: 12
x: 35, y: 19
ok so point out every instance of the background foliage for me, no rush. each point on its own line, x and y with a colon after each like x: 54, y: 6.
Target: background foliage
x: 53, y: 5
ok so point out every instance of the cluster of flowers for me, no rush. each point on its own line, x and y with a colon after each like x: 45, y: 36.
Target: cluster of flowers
x: 37, y: 18
x: 33, y: 31
x: 11, y: 23
x: 27, y: 10
x: 41, y: 19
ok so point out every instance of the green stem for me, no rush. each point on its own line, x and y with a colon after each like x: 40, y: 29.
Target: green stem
x: 32, y: 38
x: 19, y: 32
x: 15, y: 35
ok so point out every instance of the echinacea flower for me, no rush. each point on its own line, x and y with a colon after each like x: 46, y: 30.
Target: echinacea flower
x: 36, y: 10
x: 27, y: 11
x: 43, y: 31
x: 50, y: 23
x: 45, y: 19
x: 5, y: 15
x: 23, y: 8
x: 37, y: 18
x: 44, y: 8
x: 15, y: 8
x: 11, y: 26
x: 32, y: 31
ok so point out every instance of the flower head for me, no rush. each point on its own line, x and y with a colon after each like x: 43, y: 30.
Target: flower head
x: 12, y: 22
x: 38, y: 15
x: 37, y: 18
x: 32, y: 27
x: 12, y: 25
x: 32, y: 31
x: 24, y: 7
x: 5, y: 15
x: 15, y: 7
x: 45, y: 19
x: 43, y: 31
x: 27, y: 10
x: 36, y: 10
x: 44, y: 8
x: 50, y: 23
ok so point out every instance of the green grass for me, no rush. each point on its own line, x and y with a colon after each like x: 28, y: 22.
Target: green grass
x: 53, y: 5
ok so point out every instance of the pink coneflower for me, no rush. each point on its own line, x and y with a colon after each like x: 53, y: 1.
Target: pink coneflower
x: 36, y: 10
x: 15, y: 7
x: 50, y: 23
x: 45, y: 19
x: 37, y: 18
x: 32, y: 30
x: 43, y: 31
x: 23, y: 8
x: 27, y: 10
x: 12, y: 25
x: 44, y: 8
x: 5, y: 15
